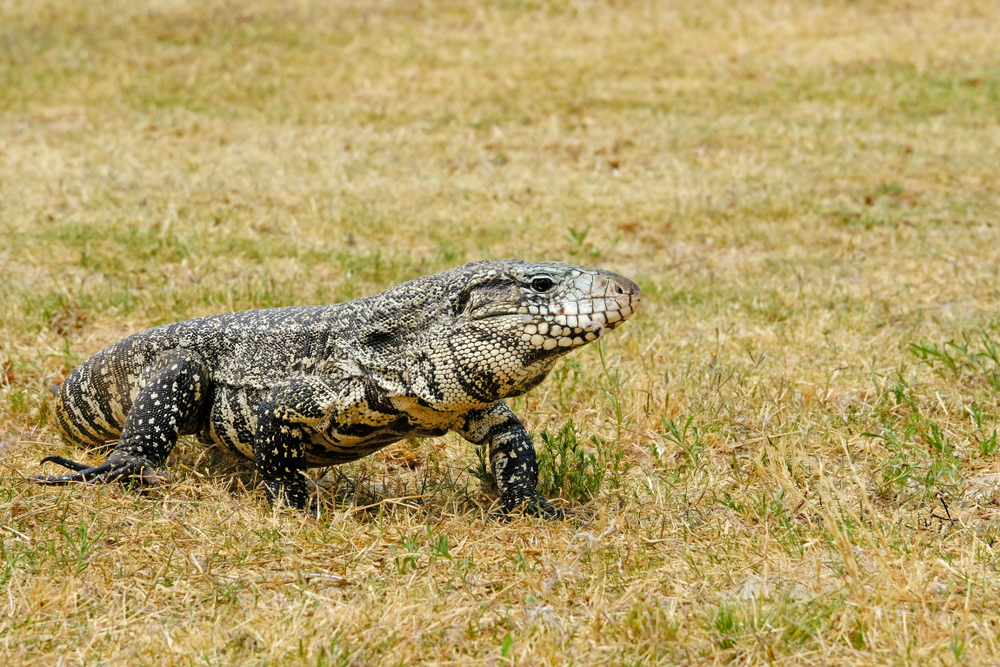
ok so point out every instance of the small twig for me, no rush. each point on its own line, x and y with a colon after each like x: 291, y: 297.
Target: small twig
x: 18, y: 533
x: 336, y: 578
x: 945, y: 506
x: 392, y: 501
x: 941, y: 519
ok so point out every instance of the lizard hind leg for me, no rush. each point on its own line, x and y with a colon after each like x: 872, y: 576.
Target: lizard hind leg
x: 169, y: 402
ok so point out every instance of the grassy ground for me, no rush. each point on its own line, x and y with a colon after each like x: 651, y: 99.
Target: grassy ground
x: 794, y: 441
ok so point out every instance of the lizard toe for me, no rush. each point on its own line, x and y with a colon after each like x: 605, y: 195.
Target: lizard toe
x: 83, y: 473
x: 137, y: 470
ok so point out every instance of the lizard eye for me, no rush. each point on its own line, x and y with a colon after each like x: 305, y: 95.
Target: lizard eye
x: 542, y: 284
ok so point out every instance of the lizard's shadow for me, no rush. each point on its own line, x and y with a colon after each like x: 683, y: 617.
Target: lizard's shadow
x: 368, y: 486
x: 373, y: 485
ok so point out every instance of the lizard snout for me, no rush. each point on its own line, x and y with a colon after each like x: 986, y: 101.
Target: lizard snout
x: 621, y: 296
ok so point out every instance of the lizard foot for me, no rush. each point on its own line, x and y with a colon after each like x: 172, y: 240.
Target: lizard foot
x: 538, y: 506
x: 293, y: 494
x: 137, y: 470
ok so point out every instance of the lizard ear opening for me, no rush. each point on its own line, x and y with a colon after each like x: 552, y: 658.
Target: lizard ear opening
x: 461, y: 301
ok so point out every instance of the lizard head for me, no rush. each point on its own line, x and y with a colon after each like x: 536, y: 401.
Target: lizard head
x: 522, y: 316
x: 565, y: 306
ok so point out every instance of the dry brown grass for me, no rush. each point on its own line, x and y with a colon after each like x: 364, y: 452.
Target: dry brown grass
x: 804, y: 191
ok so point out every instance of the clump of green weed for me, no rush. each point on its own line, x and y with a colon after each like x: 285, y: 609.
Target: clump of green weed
x: 986, y: 444
x: 687, y: 437
x: 483, y: 471
x: 920, y: 459
x: 726, y: 626
x: 566, y: 470
x: 955, y: 359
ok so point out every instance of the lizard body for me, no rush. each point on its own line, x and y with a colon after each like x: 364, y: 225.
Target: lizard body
x: 300, y: 387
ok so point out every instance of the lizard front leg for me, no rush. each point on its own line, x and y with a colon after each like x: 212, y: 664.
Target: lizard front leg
x: 169, y: 404
x: 512, y: 457
x: 289, y: 413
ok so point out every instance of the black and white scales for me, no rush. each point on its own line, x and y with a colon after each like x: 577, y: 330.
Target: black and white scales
x: 301, y: 387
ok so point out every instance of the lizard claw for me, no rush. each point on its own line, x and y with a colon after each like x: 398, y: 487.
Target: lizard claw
x: 65, y: 463
x: 109, y: 471
x: 547, y: 510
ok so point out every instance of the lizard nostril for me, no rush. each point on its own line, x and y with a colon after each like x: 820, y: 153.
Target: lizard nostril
x: 618, y: 289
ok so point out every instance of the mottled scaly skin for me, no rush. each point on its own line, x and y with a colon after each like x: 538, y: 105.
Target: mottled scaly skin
x: 294, y: 388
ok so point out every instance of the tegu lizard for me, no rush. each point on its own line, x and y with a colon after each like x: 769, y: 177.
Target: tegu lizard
x: 301, y: 387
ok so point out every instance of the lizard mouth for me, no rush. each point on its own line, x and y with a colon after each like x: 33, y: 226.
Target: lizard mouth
x: 490, y: 315
x: 603, y: 320
x: 605, y: 302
